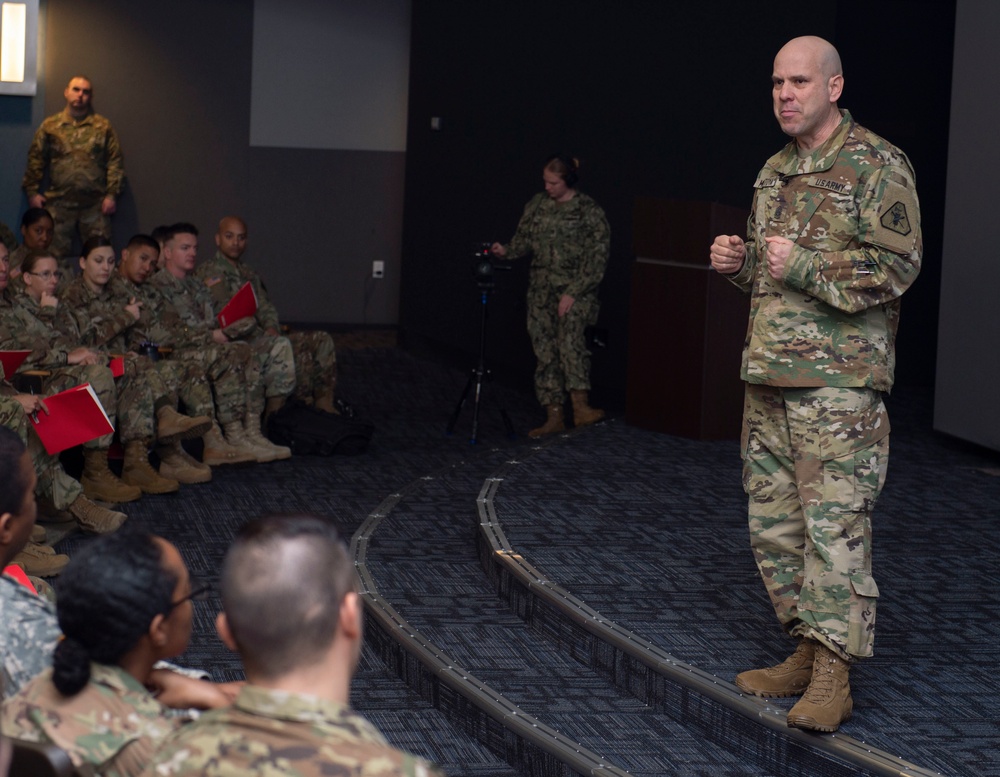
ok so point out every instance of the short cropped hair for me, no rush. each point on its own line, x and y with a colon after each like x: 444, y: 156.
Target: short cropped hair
x: 160, y: 233
x: 34, y: 215
x: 142, y: 240
x: 283, y: 581
x: 13, y: 483
x: 180, y: 228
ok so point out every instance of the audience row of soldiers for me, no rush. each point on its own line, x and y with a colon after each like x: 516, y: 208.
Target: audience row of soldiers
x: 229, y: 379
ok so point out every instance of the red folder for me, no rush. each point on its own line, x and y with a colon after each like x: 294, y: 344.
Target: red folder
x: 12, y: 361
x: 17, y: 573
x: 75, y: 416
x: 117, y: 365
x: 243, y: 304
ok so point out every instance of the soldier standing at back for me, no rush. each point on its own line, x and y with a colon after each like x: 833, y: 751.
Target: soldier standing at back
x: 833, y: 242
x: 80, y: 151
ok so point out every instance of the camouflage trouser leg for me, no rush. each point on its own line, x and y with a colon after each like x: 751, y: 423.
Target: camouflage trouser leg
x: 226, y: 368
x: 53, y: 482
x: 67, y: 217
x: 315, y: 363
x: 186, y: 380
x: 814, y: 465
x: 100, y: 380
x: 277, y: 370
x: 141, y: 392
x: 560, y: 345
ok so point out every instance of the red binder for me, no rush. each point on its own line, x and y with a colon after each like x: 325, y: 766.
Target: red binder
x: 75, y: 416
x: 243, y: 304
x: 12, y: 361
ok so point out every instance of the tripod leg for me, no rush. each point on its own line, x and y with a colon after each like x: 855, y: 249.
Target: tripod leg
x: 461, y: 403
x: 475, y: 406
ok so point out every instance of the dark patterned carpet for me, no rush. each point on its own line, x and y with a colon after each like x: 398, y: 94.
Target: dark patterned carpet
x: 647, y: 529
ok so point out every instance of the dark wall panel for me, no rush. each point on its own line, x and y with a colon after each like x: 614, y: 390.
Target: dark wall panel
x: 657, y: 99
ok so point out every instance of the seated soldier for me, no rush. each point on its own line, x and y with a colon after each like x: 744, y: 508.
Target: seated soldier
x: 231, y: 368
x: 141, y: 402
x: 292, y: 611
x: 37, y: 228
x: 315, y: 355
x: 109, y: 317
x: 94, y: 702
x: 177, y: 284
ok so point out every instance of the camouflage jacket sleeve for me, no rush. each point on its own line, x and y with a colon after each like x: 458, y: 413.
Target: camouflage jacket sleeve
x: 29, y: 634
x: 521, y: 244
x: 882, y: 265
x: 116, y: 164
x: 23, y: 328
x: 97, y: 321
x: 38, y: 158
x: 592, y: 244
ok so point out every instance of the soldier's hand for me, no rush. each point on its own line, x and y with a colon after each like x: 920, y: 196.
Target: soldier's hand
x: 49, y: 300
x: 37, y: 201
x: 728, y: 252
x: 778, y: 250
x: 108, y: 206
x: 31, y: 403
x: 133, y: 307
x: 498, y: 250
x: 219, y: 336
x: 565, y: 304
x: 82, y: 356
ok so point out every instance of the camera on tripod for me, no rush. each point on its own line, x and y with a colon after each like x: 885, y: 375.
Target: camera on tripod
x: 485, y: 265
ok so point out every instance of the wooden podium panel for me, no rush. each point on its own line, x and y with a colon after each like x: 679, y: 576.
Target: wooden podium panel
x: 687, y: 323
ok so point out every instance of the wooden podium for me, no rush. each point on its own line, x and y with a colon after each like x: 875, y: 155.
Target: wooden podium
x: 687, y: 323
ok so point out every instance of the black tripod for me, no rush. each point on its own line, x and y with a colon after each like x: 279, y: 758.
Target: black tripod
x: 479, y: 374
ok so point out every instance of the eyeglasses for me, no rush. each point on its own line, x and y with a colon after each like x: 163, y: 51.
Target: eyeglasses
x: 199, y: 593
x: 57, y: 274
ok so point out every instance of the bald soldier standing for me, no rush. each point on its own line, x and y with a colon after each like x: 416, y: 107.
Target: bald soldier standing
x: 833, y: 242
x: 81, y: 152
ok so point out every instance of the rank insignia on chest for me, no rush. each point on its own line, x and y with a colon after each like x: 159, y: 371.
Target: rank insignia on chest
x: 210, y: 282
x: 896, y: 220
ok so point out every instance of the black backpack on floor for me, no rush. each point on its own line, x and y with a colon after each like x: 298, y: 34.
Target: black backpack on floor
x: 308, y: 431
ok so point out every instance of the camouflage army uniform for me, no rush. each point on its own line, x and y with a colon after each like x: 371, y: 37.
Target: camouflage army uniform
x: 569, y: 243
x: 314, y: 352
x: 53, y: 482
x: 193, y: 302
x: 135, y: 396
x: 84, y: 161
x: 104, y: 324
x: 819, y: 352
x: 111, y: 727
x: 231, y: 369
x: 268, y: 732
x: 28, y: 637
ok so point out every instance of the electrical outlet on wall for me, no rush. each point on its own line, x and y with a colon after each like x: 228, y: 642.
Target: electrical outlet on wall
x: 378, y: 269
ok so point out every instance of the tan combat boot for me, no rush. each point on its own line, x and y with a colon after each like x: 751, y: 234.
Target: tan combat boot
x: 94, y: 518
x: 171, y: 425
x: 177, y: 464
x: 553, y: 422
x: 789, y: 678
x: 40, y: 560
x: 251, y: 430
x: 583, y: 413
x: 827, y: 701
x: 219, y: 450
x: 99, y: 482
x: 136, y: 471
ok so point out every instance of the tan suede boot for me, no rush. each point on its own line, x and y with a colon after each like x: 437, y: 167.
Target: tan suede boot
x: 236, y: 434
x: 251, y: 430
x: 40, y: 560
x: 583, y: 413
x: 177, y: 464
x: 553, y: 422
x: 171, y: 425
x: 219, y: 450
x: 789, y: 678
x: 100, y: 483
x: 827, y: 701
x: 94, y: 518
x: 136, y: 471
